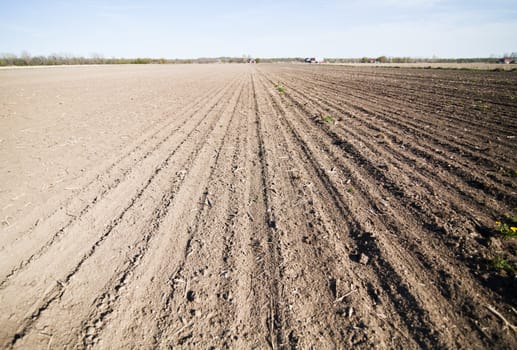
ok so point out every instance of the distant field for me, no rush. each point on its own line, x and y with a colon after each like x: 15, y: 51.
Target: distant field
x: 257, y: 206
x: 481, y: 66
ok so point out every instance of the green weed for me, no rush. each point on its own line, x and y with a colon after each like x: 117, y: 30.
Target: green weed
x: 499, y: 263
x: 481, y: 106
x: 280, y: 88
x: 328, y: 118
x: 507, y: 226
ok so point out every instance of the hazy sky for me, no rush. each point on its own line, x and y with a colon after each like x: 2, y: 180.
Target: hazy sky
x: 333, y: 28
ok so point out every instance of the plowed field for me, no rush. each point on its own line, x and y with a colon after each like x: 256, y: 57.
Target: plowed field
x: 257, y: 206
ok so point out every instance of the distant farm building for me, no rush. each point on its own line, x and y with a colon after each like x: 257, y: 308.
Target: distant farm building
x: 314, y: 60
x: 506, y: 60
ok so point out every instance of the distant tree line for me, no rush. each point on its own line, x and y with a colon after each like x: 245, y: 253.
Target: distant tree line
x: 386, y: 59
x: 54, y: 60
x: 26, y: 59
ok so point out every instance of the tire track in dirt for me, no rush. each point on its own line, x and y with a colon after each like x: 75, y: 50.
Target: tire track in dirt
x: 272, y: 253
x: 243, y: 255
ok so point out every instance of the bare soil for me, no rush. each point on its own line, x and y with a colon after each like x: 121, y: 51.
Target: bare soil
x: 437, y: 65
x: 257, y: 206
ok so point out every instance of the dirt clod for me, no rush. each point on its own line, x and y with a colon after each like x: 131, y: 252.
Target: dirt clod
x: 191, y: 295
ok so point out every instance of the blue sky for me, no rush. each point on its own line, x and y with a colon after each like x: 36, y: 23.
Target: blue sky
x: 333, y: 28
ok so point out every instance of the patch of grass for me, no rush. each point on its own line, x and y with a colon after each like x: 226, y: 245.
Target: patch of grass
x: 350, y: 190
x: 328, y: 119
x: 280, y: 88
x: 501, y: 264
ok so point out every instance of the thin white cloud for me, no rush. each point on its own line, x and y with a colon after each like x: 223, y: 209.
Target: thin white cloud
x: 408, y: 3
x: 395, y: 3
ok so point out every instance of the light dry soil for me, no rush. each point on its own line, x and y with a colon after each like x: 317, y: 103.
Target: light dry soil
x: 256, y: 206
